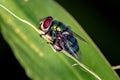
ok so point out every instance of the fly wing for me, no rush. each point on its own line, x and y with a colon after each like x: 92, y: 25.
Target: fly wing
x: 78, y: 36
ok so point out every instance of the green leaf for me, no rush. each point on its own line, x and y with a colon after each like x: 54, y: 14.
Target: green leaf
x: 36, y: 56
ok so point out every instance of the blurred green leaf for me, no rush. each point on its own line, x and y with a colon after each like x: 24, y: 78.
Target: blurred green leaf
x: 36, y: 56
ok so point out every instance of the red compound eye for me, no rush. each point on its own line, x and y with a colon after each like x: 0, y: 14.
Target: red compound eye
x: 47, y: 22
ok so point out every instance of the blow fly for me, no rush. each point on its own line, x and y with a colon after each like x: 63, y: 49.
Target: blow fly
x: 61, y: 37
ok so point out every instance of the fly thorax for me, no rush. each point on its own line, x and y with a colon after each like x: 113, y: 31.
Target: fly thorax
x: 54, y: 27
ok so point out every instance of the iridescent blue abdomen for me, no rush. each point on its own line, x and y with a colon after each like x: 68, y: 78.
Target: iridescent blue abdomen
x: 71, y: 45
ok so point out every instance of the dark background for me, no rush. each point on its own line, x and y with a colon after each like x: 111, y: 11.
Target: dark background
x: 99, y: 18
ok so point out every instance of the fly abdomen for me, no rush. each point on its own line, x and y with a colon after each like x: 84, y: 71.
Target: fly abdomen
x: 73, y: 44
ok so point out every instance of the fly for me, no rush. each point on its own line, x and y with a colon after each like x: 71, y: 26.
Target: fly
x: 60, y: 36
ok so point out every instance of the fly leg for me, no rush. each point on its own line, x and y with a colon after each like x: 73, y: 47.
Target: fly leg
x: 43, y: 34
x: 51, y: 45
x: 56, y: 45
